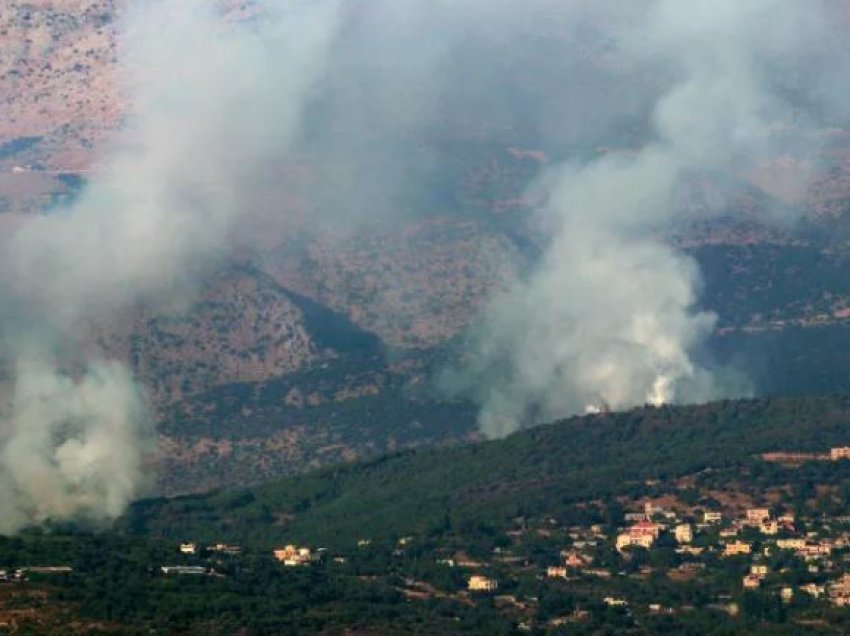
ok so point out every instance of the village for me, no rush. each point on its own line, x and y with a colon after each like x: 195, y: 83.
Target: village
x: 657, y: 553
x: 727, y: 553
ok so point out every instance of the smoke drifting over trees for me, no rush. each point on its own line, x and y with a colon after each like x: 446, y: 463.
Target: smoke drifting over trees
x: 607, y: 316
x: 212, y: 102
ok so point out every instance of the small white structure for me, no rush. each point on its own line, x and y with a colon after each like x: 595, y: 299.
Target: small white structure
x: 684, y: 533
x: 478, y: 583
x: 293, y: 555
x: 690, y: 550
x: 752, y: 582
x: 757, y: 515
x: 814, y: 590
x: 758, y: 569
x: 612, y: 601
x: 223, y: 548
x: 188, y: 548
x: 641, y: 534
x: 626, y: 540
x: 769, y: 527
x: 737, y: 548
x: 839, y: 452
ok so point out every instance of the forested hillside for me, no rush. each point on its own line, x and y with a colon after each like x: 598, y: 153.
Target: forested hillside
x: 545, y: 470
x: 393, y: 543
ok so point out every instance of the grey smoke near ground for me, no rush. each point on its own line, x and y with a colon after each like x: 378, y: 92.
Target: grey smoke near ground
x: 635, y: 100
x: 375, y: 98
x: 72, y: 447
x: 609, y: 318
x: 212, y: 102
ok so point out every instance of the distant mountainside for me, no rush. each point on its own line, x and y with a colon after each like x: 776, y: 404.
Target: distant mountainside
x: 62, y: 97
x: 251, y: 381
x: 347, y: 408
x: 241, y: 327
x: 782, y: 322
x: 323, y: 348
x: 415, y: 286
x: 58, y: 80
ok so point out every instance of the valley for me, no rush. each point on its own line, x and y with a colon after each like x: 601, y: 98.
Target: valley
x: 319, y: 243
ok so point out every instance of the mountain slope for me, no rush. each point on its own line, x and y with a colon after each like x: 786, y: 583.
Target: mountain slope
x: 403, y: 535
x: 240, y: 327
x: 545, y: 470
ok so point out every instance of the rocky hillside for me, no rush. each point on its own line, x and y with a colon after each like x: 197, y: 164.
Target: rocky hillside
x: 414, y: 286
x: 57, y: 80
x: 60, y: 90
x: 252, y: 376
x: 241, y: 327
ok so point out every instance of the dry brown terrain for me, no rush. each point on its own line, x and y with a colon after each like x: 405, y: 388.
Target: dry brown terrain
x: 414, y: 287
x: 415, y: 284
x: 240, y: 328
x: 58, y: 80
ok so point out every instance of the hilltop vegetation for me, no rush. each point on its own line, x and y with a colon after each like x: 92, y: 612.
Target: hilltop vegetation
x: 547, y: 469
x: 400, y: 535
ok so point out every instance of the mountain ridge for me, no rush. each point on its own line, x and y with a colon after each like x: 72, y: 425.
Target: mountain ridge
x: 539, y: 471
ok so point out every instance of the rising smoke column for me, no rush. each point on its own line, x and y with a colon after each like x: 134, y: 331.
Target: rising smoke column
x: 608, y: 317
x: 212, y: 103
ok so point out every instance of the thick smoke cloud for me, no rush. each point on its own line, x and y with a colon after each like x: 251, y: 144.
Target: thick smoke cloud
x: 375, y: 97
x: 212, y: 102
x: 609, y: 317
x: 414, y: 85
x: 73, y: 446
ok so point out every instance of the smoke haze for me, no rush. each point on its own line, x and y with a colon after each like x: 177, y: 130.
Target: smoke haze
x: 609, y: 318
x: 212, y: 102
x: 608, y: 315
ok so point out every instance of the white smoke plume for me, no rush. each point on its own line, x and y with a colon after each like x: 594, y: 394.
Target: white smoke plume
x: 212, y: 102
x: 355, y: 88
x: 72, y: 448
x: 609, y: 317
